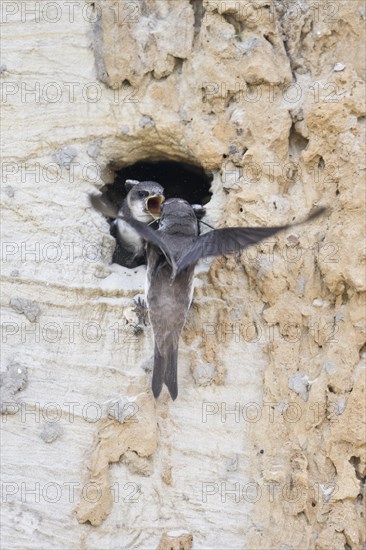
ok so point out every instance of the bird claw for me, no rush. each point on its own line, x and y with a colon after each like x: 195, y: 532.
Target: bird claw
x: 137, y: 329
x: 141, y: 311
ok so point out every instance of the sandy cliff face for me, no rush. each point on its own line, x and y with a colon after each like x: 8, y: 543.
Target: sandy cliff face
x: 264, y: 447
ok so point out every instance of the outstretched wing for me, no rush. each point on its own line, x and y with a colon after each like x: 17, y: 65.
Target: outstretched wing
x: 232, y: 239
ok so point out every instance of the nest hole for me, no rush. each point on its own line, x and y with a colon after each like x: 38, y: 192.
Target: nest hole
x: 179, y: 180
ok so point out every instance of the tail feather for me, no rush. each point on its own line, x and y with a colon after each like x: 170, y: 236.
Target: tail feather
x: 170, y: 376
x: 165, y: 371
x: 158, y: 372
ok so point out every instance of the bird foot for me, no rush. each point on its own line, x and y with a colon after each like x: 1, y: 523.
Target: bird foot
x: 141, y: 311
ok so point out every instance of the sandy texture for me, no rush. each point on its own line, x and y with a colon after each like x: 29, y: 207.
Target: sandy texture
x: 264, y: 447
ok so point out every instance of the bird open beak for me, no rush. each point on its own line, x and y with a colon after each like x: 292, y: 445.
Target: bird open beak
x: 153, y: 205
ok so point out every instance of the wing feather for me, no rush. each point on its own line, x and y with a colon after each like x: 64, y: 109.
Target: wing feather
x: 153, y: 237
x: 230, y: 240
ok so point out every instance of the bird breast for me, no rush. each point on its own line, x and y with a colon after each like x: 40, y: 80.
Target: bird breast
x: 130, y: 239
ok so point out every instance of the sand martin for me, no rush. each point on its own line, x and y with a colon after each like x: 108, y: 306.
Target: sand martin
x: 142, y: 203
x: 172, y: 253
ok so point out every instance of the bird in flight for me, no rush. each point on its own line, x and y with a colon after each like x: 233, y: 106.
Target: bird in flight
x: 173, y: 251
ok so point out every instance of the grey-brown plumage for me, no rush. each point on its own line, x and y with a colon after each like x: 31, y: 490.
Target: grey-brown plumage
x: 169, y: 302
x: 172, y: 253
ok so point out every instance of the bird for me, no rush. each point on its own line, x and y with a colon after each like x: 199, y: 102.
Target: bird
x: 168, y: 303
x: 142, y: 202
x: 172, y: 253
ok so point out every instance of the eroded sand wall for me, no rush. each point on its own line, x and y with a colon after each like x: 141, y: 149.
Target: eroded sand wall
x: 263, y: 447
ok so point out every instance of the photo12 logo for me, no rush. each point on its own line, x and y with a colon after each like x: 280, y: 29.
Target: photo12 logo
x: 68, y: 491
x: 69, y: 11
x: 272, y: 491
x: 256, y: 12
x: 241, y: 92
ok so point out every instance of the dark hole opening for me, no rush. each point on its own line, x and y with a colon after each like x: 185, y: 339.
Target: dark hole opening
x: 179, y: 179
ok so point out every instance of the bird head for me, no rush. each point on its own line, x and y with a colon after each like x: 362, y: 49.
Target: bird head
x: 144, y: 199
x: 178, y: 216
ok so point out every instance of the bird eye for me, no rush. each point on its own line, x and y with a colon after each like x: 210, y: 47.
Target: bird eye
x: 143, y: 194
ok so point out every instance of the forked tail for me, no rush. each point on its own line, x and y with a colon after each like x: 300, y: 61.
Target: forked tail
x: 165, y: 371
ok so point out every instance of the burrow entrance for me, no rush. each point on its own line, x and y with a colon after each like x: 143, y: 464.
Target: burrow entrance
x: 179, y: 179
